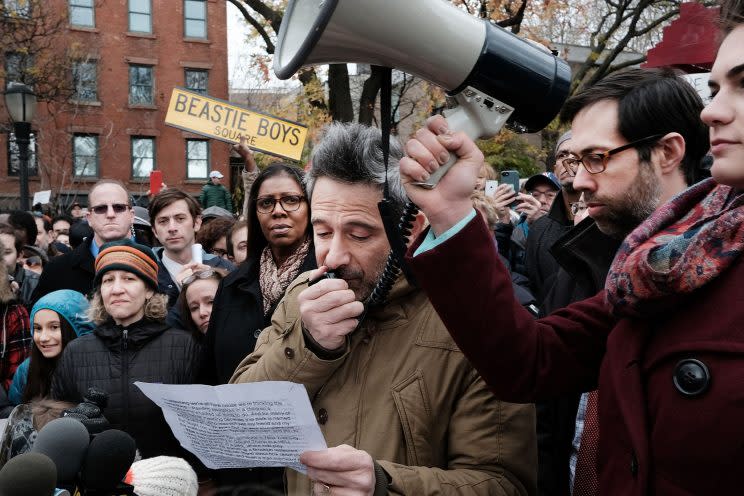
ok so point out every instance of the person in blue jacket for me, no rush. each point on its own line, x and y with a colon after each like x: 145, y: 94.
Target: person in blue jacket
x: 57, y: 318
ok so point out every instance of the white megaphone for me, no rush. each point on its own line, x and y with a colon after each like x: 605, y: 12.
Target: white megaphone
x: 493, y: 75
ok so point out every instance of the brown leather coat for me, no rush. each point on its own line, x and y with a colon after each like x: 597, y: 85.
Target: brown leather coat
x: 404, y: 393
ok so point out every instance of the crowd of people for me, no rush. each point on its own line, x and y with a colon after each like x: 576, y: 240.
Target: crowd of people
x: 576, y: 335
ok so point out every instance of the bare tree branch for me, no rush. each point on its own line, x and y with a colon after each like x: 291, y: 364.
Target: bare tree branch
x: 256, y: 25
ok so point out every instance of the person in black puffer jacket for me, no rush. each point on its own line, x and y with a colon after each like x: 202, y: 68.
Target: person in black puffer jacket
x: 130, y: 343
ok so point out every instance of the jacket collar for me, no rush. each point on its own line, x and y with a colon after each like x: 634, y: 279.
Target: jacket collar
x: 585, y: 252
x: 558, y: 210
x: 82, y: 257
x: 138, y: 333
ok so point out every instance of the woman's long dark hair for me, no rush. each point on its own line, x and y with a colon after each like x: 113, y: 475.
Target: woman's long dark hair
x: 256, y: 239
x: 41, y: 369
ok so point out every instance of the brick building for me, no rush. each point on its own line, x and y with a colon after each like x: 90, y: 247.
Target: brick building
x: 130, y: 55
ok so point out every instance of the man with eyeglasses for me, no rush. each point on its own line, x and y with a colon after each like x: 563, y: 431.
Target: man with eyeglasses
x: 110, y: 216
x: 637, y: 140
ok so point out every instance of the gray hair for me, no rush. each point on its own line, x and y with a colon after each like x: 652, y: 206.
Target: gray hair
x: 352, y: 153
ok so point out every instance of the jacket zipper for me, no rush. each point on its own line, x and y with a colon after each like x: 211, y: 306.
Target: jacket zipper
x: 125, y: 380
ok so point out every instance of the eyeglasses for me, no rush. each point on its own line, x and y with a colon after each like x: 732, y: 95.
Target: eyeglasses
x: 594, y: 163
x: 119, y: 208
x: 549, y: 195
x: 577, y: 207
x: 32, y: 261
x: 204, y: 274
x: 289, y: 203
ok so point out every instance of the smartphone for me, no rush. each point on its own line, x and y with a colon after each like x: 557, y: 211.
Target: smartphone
x: 511, y: 177
x: 491, y: 186
x: 156, y: 180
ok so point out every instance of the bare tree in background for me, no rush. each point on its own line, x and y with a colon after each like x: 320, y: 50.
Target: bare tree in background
x: 37, y: 51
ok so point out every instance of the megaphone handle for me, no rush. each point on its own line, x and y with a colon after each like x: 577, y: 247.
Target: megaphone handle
x: 478, y: 116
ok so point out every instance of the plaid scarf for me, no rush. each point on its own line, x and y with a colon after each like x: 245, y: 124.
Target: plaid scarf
x: 274, y: 280
x: 684, y: 245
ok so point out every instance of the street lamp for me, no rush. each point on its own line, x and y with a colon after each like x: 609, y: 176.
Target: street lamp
x: 20, y: 101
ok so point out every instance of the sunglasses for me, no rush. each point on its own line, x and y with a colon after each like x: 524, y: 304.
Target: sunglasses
x: 119, y: 208
x: 32, y: 261
x: 204, y: 274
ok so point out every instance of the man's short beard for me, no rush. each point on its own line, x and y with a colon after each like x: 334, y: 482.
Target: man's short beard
x: 622, y: 215
x: 367, y: 284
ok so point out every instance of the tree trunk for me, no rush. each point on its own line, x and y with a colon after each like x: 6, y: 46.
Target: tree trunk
x: 369, y: 96
x: 339, y: 95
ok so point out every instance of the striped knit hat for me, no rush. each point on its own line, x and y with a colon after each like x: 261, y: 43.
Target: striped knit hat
x: 129, y: 256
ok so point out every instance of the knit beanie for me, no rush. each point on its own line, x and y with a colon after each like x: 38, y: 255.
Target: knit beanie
x: 564, y: 137
x: 162, y: 476
x: 129, y: 256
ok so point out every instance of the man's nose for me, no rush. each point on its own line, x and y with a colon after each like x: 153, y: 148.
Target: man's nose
x: 584, y: 181
x: 338, y: 254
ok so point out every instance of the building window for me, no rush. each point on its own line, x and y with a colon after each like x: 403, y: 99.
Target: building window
x: 14, y: 158
x: 143, y: 157
x: 196, y: 80
x: 18, y: 68
x: 140, y: 85
x: 82, y: 13
x: 84, y: 76
x: 195, y: 18
x: 197, y: 158
x: 140, y: 16
x: 85, y: 155
x: 17, y: 8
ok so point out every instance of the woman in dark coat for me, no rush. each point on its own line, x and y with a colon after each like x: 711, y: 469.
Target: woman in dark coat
x: 279, y: 249
x: 130, y: 343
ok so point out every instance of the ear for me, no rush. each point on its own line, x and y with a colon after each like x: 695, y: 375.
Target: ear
x: 419, y: 224
x: 149, y: 293
x: 671, y: 152
x: 197, y: 223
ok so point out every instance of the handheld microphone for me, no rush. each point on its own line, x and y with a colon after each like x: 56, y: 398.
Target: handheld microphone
x: 109, y: 457
x: 29, y: 474
x: 65, y: 441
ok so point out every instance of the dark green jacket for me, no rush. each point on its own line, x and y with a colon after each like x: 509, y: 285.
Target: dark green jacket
x: 215, y: 195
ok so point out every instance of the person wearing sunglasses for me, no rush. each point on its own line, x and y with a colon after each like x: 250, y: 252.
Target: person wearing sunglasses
x: 110, y: 216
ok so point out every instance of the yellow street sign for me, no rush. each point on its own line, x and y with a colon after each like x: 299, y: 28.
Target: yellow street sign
x: 221, y: 120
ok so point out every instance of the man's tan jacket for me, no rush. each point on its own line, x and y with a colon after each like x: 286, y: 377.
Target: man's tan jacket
x: 403, y: 392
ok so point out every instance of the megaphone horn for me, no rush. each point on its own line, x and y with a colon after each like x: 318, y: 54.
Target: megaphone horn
x: 494, y: 76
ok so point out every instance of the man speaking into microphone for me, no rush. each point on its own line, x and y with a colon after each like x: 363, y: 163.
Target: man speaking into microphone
x: 400, y: 405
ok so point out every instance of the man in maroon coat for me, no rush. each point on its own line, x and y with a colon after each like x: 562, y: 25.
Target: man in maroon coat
x: 668, y: 368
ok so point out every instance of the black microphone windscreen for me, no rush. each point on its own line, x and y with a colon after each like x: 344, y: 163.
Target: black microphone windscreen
x: 109, y: 456
x: 65, y: 441
x: 29, y: 474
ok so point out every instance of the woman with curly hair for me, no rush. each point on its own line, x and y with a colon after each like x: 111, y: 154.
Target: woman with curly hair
x: 130, y: 343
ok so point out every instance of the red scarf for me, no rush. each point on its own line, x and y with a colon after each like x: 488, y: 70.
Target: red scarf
x: 684, y: 245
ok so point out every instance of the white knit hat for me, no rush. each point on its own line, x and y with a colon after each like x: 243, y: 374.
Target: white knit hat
x: 163, y: 476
